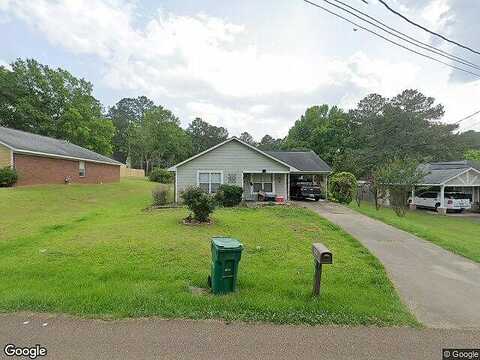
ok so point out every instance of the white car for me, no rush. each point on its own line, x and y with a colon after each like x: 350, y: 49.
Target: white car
x: 453, y: 200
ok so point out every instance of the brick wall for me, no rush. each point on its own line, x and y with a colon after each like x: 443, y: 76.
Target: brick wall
x: 34, y: 170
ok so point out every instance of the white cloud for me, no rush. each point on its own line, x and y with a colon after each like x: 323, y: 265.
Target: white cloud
x: 210, y: 67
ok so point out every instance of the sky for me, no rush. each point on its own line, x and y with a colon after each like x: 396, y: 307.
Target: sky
x: 246, y: 65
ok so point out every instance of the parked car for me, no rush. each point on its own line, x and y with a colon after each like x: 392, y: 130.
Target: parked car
x: 456, y: 201
x: 306, y: 190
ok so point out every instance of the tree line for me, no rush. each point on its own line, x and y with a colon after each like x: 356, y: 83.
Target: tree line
x: 53, y: 102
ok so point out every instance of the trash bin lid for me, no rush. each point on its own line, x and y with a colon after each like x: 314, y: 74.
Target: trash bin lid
x: 226, y: 242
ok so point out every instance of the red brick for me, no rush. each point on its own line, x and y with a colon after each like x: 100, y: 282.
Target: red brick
x: 33, y: 170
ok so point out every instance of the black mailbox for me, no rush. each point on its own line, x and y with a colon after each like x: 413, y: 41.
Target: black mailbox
x: 321, y: 254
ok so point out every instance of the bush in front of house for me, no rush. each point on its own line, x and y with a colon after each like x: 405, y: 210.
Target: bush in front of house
x: 8, y: 177
x: 199, y: 202
x: 160, y: 175
x: 160, y: 195
x: 343, y: 187
x: 229, y: 195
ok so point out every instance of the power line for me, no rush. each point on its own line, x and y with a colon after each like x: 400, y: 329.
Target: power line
x: 389, y: 40
x: 403, y: 36
x: 428, y: 30
x: 467, y: 117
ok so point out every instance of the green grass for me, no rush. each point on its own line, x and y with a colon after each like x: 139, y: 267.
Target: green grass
x: 91, y: 250
x: 460, y: 235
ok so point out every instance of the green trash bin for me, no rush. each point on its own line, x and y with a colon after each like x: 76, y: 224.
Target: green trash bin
x: 226, y: 254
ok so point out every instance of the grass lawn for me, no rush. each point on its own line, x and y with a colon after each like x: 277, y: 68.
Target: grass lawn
x: 460, y: 235
x: 91, y: 250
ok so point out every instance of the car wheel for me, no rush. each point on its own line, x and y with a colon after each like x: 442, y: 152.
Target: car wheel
x: 317, y: 198
x: 437, y: 205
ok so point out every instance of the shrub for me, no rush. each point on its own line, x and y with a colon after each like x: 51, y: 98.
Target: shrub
x: 161, y: 176
x: 8, y: 177
x: 199, y: 202
x: 160, y: 195
x: 343, y: 187
x: 229, y: 195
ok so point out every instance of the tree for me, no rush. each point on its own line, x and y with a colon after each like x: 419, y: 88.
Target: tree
x: 343, y: 187
x: 398, y: 177
x: 402, y: 126
x: 52, y: 102
x: 124, y: 114
x: 269, y: 143
x: 472, y: 155
x: 204, y: 135
x: 325, y: 130
x: 246, y: 137
x: 158, y: 140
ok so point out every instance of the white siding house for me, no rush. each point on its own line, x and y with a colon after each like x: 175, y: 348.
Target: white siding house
x: 235, y: 162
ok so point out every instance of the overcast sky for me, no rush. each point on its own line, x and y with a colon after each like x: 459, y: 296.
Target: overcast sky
x: 248, y: 65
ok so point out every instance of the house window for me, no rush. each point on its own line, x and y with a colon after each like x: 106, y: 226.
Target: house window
x: 262, y: 182
x: 81, y: 168
x: 209, y: 181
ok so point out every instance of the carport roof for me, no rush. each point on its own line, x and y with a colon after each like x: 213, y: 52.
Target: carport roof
x: 28, y: 143
x: 440, y: 172
x: 303, y: 161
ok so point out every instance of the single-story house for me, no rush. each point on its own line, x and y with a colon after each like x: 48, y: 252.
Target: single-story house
x: 236, y: 162
x: 451, y: 176
x: 44, y: 160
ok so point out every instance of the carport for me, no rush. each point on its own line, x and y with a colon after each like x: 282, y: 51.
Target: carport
x: 453, y: 176
x: 308, y: 165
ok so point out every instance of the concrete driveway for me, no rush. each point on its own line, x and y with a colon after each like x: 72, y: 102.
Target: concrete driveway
x: 72, y: 338
x: 442, y: 289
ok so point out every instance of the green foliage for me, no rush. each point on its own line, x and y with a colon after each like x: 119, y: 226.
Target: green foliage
x: 160, y: 195
x: 246, y: 137
x: 127, y: 113
x: 8, y: 177
x: 199, y: 202
x: 158, y: 140
x: 397, y: 179
x: 229, y: 195
x: 343, y: 187
x: 472, y: 155
x: 269, y: 143
x: 204, y: 135
x: 52, y: 102
x: 161, y: 176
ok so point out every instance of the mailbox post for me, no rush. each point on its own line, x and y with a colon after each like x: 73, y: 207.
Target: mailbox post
x: 321, y: 255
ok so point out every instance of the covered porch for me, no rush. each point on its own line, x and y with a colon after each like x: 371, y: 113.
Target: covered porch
x: 264, y: 183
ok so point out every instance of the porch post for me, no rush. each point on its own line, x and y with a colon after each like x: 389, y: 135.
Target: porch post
x: 442, y: 210
x: 412, y: 204
x: 288, y: 187
x: 326, y: 187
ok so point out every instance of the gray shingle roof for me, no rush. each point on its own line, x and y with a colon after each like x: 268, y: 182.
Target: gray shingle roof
x: 439, y: 172
x: 31, y: 143
x: 301, y: 160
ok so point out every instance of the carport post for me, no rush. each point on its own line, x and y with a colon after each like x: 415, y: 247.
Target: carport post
x: 412, y: 205
x: 442, y: 209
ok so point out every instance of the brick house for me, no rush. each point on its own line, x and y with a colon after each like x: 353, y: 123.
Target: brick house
x: 44, y: 160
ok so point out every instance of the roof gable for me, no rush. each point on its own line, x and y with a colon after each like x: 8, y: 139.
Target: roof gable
x: 28, y: 143
x: 232, y: 139
x: 442, y: 172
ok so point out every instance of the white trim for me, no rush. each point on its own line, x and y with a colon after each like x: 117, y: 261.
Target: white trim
x: 264, y: 172
x: 311, y: 172
x: 174, y: 167
x: 6, y: 145
x: 175, y: 188
x: 20, y: 151
x: 209, y: 178
x: 463, y: 172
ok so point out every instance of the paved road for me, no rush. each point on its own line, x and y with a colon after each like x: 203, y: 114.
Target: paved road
x: 442, y: 289
x: 69, y: 338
